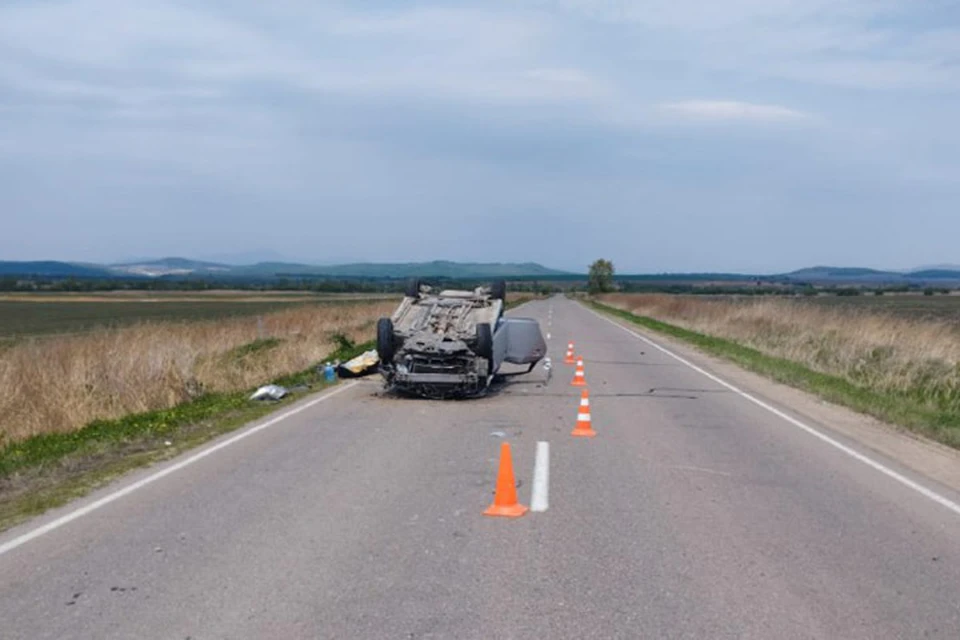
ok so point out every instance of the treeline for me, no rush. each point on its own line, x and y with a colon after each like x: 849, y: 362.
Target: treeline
x: 776, y: 290
x: 196, y: 284
x: 291, y: 283
x: 397, y: 285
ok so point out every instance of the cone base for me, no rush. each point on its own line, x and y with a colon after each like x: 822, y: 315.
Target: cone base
x: 578, y: 384
x: 583, y: 433
x: 569, y: 362
x: 512, y: 511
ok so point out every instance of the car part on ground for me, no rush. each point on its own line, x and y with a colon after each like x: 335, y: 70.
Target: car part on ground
x: 270, y: 392
x: 364, y: 364
x: 451, y: 343
x: 276, y: 392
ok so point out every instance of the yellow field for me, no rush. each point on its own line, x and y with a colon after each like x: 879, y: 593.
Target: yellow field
x: 61, y: 383
x: 869, y: 346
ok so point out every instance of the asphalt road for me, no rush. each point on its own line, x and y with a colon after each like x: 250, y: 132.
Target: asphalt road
x: 695, y: 513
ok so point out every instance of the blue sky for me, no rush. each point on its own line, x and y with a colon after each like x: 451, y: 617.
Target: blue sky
x: 666, y: 135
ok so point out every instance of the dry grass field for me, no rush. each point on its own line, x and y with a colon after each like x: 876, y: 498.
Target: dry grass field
x: 873, y: 346
x: 60, y: 383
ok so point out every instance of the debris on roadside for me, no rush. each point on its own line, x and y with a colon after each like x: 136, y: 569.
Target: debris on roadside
x: 329, y: 371
x: 270, y: 392
x: 363, y: 365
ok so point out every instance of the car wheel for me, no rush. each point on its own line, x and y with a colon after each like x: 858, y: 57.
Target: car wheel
x: 385, y: 340
x: 485, y: 341
x: 413, y: 288
x: 498, y: 291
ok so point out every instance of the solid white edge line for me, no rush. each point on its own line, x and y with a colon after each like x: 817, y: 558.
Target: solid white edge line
x: 856, y: 455
x: 540, y: 498
x: 116, y: 495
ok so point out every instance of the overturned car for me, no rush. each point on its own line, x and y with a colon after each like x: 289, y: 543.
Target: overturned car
x: 450, y: 343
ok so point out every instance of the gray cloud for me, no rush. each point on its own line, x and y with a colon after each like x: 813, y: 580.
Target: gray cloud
x: 667, y: 135
x: 724, y: 110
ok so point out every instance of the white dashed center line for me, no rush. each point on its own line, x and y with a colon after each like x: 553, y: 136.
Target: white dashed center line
x: 540, y: 500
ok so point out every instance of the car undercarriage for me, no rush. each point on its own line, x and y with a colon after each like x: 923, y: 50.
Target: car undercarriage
x: 451, y: 343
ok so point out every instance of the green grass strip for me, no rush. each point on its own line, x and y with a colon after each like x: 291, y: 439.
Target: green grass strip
x: 164, y: 423
x: 899, y: 409
x: 49, y: 470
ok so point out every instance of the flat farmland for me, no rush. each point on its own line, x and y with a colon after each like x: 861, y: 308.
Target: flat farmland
x: 914, y: 306
x: 42, y: 314
x: 903, y: 351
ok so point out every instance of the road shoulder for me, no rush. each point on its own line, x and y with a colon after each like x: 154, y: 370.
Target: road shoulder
x: 936, y: 461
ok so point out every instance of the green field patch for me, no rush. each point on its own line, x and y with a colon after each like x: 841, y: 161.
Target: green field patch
x: 252, y: 348
x: 21, y: 318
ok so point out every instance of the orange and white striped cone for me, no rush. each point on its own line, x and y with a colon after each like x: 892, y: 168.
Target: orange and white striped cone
x: 569, y: 358
x: 579, y: 378
x: 584, y: 428
x: 505, y: 503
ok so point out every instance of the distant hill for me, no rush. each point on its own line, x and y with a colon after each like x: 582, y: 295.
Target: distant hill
x: 172, y: 263
x: 690, y: 277
x: 859, y: 275
x: 843, y: 273
x: 937, y: 274
x: 52, y: 269
x: 168, y: 266
x: 935, y: 267
x: 175, y: 268
x: 172, y: 267
x: 435, y: 269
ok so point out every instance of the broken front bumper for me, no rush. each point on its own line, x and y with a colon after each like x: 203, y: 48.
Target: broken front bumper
x: 437, y: 377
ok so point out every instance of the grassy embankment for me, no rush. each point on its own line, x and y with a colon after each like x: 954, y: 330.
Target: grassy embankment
x: 79, y: 410
x: 900, y: 368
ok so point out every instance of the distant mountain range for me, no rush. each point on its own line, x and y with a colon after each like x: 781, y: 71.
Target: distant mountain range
x: 857, y: 275
x: 937, y: 267
x: 182, y: 267
x: 52, y: 269
x: 174, y: 268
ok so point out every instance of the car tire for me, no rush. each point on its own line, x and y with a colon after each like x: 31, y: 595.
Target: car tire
x: 498, y: 291
x: 385, y: 340
x: 485, y: 341
x: 413, y: 288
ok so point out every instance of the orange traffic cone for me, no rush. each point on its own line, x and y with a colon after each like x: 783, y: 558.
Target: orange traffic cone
x: 569, y: 359
x: 505, y: 499
x: 579, y: 379
x: 584, y: 428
